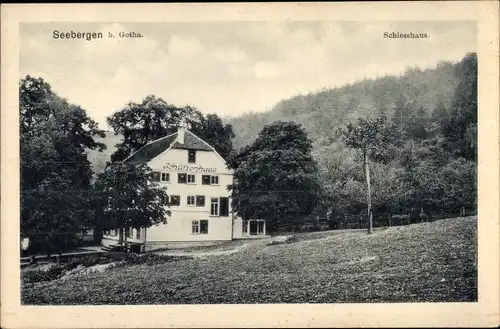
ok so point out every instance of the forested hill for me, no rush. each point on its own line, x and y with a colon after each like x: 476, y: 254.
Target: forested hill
x: 430, y: 165
x: 418, y: 92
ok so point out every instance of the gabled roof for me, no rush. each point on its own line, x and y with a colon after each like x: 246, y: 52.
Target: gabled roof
x: 192, y: 142
x: 151, y: 150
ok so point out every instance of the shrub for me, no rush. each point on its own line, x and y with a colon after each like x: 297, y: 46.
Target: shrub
x: 87, y: 261
x: 122, y: 259
x: 150, y: 259
x: 287, y: 240
x: 40, y: 275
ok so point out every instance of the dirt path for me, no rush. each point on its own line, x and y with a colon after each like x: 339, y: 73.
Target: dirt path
x: 223, y: 249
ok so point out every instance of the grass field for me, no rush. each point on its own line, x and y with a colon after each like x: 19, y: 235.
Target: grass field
x: 429, y: 262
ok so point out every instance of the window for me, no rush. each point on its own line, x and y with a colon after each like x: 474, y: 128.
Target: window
x: 165, y: 177
x: 209, y: 180
x: 181, y: 178
x: 155, y: 176
x: 175, y: 200
x: 203, y: 226
x: 191, y: 179
x: 195, y: 227
x: 128, y: 232
x: 224, y: 206
x: 138, y: 234
x: 200, y: 201
x: 214, y: 207
x: 199, y: 227
x: 214, y: 180
x: 260, y: 228
x: 192, y: 156
x: 190, y: 200
x: 253, y: 227
x: 244, y: 226
x: 256, y: 227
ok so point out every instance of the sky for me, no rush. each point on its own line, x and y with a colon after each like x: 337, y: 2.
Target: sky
x: 228, y: 68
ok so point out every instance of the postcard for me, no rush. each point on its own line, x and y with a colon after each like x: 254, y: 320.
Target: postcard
x: 250, y: 165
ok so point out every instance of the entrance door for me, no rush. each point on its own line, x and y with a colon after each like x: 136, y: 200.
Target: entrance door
x: 253, y: 227
x: 260, y: 228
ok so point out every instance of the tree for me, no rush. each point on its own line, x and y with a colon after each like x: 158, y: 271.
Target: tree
x: 55, y: 173
x: 458, y: 186
x: 418, y: 177
x: 54, y: 212
x: 275, y: 178
x: 338, y: 171
x: 129, y: 198
x: 370, y: 136
x: 153, y: 118
x: 461, y: 128
x: 214, y: 132
x: 140, y: 123
x: 35, y: 97
x: 418, y: 129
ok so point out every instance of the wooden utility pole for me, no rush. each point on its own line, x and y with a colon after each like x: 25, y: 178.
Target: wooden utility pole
x: 368, y: 193
x: 120, y: 236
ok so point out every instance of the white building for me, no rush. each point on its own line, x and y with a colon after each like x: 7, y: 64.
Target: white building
x: 196, y: 178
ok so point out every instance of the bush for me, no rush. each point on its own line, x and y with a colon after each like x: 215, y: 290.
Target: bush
x: 285, y: 240
x: 150, y: 259
x: 87, y: 261
x: 53, y: 243
x: 123, y: 259
x: 39, y: 275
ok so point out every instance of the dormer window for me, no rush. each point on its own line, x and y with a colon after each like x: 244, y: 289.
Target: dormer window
x: 191, y: 156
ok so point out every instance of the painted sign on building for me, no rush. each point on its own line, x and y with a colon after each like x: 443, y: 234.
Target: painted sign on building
x: 188, y: 168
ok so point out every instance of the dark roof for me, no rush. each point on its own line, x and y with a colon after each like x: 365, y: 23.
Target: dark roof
x: 155, y: 148
x: 192, y: 142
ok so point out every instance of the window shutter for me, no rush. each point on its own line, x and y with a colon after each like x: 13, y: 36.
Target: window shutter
x: 181, y: 178
x: 205, y: 179
x: 200, y: 201
x: 224, y: 207
x: 156, y: 176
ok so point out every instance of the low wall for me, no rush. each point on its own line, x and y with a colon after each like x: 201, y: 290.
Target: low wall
x: 151, y: 246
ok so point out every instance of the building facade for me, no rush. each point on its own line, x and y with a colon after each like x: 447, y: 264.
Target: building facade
x: 196, y: 179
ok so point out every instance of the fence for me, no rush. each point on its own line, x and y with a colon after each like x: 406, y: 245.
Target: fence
x: 361, y: 221
x: 55, y: 242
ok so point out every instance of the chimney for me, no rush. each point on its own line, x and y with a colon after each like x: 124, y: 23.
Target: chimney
x: 181, y: 130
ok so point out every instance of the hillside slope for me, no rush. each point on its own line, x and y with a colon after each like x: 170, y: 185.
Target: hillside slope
x: 98, y: 159
x: 322, y: 112
x: 428, y: 262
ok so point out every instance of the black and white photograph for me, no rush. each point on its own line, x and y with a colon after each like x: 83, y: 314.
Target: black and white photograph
x: 248, y: 162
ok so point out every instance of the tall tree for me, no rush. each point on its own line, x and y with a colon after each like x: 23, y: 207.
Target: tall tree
x: 371, y: 137
x: 55, y: 172
x: 461, y: 127
x: 275, y: 178
x: 153, y: 118
x: 213, y: 131
x: 418, y: 124
x: 140, y: 123
x: 129, y: 198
